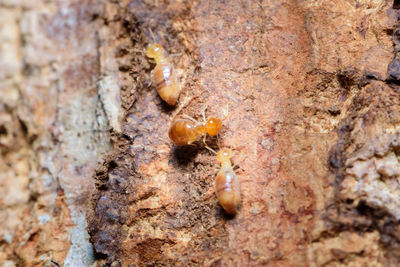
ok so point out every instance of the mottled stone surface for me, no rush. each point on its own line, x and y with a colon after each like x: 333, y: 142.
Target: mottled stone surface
x: 314, y: 117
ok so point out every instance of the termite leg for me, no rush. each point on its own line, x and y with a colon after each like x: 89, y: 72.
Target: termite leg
x: 190, y: 118
x: 206, y: 146
x: 218, y: 143
x: 191, y: 144
x: 176, y: 54
x: 209, y: 148
x: 152, y: 75
x: 234, y: 165
x: 237, y: 168
x: 138, y: 51
x: 209, y: 193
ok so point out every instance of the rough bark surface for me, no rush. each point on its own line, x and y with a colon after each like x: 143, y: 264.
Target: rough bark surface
x: 314, y: 117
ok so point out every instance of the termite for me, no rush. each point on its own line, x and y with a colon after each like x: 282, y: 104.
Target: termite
x: 186, y: 130
x: 227, y: 185
x: 163, y: 75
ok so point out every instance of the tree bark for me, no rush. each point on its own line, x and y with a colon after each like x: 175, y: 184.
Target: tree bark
x: 89, y: 175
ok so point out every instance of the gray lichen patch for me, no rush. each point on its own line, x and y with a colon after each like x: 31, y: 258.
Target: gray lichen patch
x: 373, y: 175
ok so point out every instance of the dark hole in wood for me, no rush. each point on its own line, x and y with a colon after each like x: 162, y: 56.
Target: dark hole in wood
x: 396, y: 4
x: 3, y: 130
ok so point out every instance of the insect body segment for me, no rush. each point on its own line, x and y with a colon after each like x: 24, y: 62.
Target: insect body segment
x: 227, y: 185
x: 185, y: 131
x: 156, y: 52
x: 164, y: 75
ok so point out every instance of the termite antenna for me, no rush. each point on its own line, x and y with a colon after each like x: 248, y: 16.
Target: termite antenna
x: 152, y: 35
x: 225, y: 112
x: 203, y: 113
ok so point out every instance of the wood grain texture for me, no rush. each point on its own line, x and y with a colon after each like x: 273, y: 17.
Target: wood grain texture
x: 314, y: 115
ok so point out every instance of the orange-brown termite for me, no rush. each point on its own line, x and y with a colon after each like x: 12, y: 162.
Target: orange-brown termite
x: 227, y: 185
x: 186, y: 130
x: 163, y: 75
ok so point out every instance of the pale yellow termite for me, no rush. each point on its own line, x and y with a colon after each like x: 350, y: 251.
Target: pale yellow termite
x: 163, y: 75
x: 227, y: 185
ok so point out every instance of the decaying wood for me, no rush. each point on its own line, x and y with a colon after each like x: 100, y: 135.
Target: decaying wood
x: 88, y: 174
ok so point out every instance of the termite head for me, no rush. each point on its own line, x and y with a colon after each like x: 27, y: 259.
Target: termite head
x: 213, y: 126
x: 224, y: 155
x: 154, y: 51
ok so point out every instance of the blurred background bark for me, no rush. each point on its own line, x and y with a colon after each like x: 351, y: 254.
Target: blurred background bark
x: 89, y: 176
